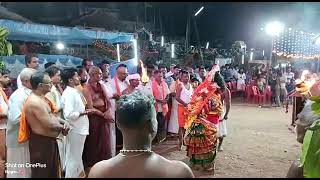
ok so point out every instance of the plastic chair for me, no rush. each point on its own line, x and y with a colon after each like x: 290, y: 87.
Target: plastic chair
x: 268, y: 94
x: 249, y: 93
x: 258, y: 97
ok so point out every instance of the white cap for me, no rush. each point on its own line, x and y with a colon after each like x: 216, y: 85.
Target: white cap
x: 133, y: 76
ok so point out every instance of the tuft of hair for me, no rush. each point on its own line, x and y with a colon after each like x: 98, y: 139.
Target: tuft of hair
x: 36, y: 79
x: 121, y: 65
x: 134, y: 110
x: 49, y: 64
x: 157, y: 71
x: 26, y: 74
x: 219, y: 80
x: 81, y: 70
x: 28, y: 58
x: 67, y: 74
x: 4, y: 71
x: 52, y: 70
x: 84, y: 61
x: 194, y: 79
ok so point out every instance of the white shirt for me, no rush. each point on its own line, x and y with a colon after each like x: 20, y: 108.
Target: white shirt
x: 241, y: 77
x: 111, y: 88
x: 289, y: 76
x: 73, y: 104
x: 15, y: 106
x: 4, y: 108
x: 186, y: 94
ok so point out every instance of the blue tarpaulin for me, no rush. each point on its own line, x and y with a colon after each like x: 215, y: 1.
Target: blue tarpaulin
x: 16, y: 62
x: 43, y: 58
x: 51, y: 33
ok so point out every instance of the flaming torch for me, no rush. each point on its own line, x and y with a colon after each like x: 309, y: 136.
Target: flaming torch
x: 144, y: 76
x: 305, y: 83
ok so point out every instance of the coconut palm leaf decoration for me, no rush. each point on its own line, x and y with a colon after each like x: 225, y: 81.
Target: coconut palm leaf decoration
x: 5, y: 46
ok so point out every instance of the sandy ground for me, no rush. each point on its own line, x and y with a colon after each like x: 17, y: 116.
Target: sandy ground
x: 259, y: 144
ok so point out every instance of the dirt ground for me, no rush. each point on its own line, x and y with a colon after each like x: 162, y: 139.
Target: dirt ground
x: 259, y: 144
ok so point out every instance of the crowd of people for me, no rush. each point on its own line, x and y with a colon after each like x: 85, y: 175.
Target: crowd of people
x: 60, y: 122
x: 281, y: 81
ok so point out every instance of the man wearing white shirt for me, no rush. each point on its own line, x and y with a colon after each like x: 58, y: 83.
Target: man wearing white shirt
x: 115, y: 88
x: 74, y: 112
x: 31, y: 61
x: 4, y: 82
x: 289, y: 75
x: 18, y: 153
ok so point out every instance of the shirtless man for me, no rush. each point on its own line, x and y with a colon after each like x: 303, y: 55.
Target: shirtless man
x: 97, y: 144
x: 41, y: 127
x: 136, y: 119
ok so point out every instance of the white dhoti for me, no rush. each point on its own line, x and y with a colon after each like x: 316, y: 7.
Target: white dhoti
x: 74, y: 149
x: 61, y: 140
x: 113, y: 138
x: 18, y: 156
x: 222, y: 124
x: 173, y: 125
x: 223, y: 128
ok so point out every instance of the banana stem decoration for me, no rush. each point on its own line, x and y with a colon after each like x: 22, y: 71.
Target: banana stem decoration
x: 5, y: 46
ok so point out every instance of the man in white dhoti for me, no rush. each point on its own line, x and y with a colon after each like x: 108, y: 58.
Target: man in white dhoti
x: 173, y: 125
x: 32, y: 62
x: 18, y: 153
x: 74, y: 103
x: 115, y: 89
x: 226, y: 102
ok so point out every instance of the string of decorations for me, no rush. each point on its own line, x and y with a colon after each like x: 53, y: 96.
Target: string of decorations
x: 294, y: 44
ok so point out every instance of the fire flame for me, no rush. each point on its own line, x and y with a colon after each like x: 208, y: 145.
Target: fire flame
x: 144, y: 76
x: 305, y: 83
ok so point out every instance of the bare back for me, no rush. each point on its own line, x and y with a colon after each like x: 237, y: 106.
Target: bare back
x: 40, y: 118
x: 143, y: 166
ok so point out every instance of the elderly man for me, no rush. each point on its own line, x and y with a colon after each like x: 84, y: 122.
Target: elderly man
x: 134, y: 82
x: 4, y: 82
x: 18, y: 153
x: 115, y: 87
x: 136, y: 160
x: 97, y: 146
x: 31, y: 61
x: 41, y: 127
